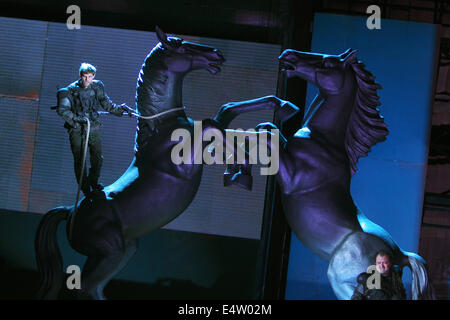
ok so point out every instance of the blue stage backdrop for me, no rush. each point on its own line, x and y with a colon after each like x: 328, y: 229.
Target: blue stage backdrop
x: 36, y: 164
x: 389, y: 185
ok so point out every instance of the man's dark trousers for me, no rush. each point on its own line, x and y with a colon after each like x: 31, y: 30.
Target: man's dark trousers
x: 77, y: 139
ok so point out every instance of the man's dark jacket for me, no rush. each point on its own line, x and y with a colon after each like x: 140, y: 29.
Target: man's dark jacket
x: 76, y: 102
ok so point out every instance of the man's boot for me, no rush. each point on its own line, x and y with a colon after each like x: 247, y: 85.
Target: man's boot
x: 97, y: 189
x: 86, y: 189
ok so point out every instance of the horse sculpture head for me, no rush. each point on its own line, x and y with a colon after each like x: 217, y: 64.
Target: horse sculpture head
x: 181, y: 56
x: 328, y: 72
x: 160, y: 81
x: 350, y: 112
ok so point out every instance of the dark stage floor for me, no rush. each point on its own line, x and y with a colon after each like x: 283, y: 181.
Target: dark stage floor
x: 23, y: 284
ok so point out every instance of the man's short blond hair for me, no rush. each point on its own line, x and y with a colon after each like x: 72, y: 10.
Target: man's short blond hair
x: 87, y: 68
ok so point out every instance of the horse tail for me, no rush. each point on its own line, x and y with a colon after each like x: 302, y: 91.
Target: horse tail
x: 422, y: 289
x: 48, y: 257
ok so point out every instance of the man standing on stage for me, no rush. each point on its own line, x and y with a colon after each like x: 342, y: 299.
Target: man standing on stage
x: 78, y: 100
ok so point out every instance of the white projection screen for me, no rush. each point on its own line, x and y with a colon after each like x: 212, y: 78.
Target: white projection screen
x: 36, y: 164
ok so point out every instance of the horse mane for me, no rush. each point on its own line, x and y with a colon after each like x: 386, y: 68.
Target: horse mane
x: 366, y: 126
x: 150, y: 80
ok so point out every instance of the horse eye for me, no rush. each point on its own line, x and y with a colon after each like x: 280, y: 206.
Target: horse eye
x: 176, y: 43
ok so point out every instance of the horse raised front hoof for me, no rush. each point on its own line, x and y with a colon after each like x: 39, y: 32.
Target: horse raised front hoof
x: 242, y: 180
x: 227, y: 176
x: 234, y: 175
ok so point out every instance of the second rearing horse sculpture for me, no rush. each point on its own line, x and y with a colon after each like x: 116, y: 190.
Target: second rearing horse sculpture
x: 316, y: 165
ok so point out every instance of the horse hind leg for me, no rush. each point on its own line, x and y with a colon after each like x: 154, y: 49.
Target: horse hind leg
x: 129, y: 253
x: 352, y: 257
x: 99, y: 269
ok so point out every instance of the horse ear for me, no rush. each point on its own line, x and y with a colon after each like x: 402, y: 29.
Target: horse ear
x: 162, y: 37
x: 350, y: 57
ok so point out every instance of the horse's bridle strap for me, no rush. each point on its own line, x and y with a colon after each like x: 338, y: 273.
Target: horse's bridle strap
x: 158, y: 114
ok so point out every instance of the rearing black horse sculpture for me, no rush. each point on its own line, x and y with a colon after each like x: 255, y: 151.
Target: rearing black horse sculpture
x: 151, y: 193
x: 316, y: 165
